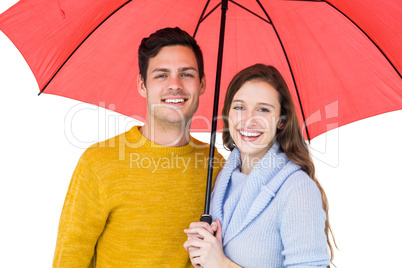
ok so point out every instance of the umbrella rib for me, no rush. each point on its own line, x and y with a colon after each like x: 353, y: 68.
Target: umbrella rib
x: 290, y: 69
x: 201, y: 18
x: 210, y: 12
x: 374, y: 43
x: 72, y: 53
x: 237, y: 4
x: 306, y: 0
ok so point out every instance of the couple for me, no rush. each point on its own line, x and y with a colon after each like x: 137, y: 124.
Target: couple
x: 269, y: 210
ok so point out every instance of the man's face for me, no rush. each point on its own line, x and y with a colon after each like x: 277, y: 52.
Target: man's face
x: 173, y: 85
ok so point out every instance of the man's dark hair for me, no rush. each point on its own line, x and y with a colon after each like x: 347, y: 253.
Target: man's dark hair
x: 150, y: 47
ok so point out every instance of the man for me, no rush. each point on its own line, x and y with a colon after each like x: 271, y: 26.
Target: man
x: 131, y: 197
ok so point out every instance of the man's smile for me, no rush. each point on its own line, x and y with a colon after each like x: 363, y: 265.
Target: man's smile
x: 174, y: 100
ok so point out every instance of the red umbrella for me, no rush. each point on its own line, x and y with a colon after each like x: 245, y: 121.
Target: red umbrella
x: 341, y: 59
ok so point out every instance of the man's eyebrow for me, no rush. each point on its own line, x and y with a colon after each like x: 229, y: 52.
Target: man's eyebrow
x: 188, y: 69
x: 164, y: 70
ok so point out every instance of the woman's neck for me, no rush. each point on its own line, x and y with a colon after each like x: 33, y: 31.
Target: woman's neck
x: 248, y: 161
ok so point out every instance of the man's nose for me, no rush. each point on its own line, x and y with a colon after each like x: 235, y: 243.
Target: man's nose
x: 175, y: 83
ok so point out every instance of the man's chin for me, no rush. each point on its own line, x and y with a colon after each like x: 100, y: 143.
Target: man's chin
x: 175, y: 121
x: 173, y: 118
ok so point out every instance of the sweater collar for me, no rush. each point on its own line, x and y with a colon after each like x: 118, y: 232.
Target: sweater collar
x: 250, y: 198
x: 135, y: 139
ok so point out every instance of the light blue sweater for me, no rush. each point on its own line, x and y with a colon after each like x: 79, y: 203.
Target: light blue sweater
x: 271, y: 218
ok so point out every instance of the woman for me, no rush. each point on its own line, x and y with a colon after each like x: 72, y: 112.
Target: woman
x: 269, y: 209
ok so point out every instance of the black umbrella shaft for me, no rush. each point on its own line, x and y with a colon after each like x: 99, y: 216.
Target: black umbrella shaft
x: 224, y: 8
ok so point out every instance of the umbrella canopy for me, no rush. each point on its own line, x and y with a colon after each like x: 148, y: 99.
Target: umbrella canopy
x: 341, y: 59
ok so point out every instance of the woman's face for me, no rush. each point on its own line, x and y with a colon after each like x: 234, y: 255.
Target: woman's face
x: 253, y: 117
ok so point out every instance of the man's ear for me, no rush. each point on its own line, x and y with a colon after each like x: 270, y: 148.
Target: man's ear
x: 141, y: 86
x: 203, y: 85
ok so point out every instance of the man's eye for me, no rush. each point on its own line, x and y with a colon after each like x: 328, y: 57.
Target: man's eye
x: 160, y: 76
x: 187, y: 75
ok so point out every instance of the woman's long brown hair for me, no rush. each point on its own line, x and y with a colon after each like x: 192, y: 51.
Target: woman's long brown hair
x: 289, y: 136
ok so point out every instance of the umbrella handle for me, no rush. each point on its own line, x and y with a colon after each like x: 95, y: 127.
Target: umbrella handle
x: 206, y: 218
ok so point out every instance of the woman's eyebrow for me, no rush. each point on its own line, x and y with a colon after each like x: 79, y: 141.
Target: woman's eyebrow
x: 266, y: 104
x: 260, y: 103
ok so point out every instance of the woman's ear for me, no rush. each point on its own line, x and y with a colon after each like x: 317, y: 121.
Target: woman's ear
x: 281, y: 124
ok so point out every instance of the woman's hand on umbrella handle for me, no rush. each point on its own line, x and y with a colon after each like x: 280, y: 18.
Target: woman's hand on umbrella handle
x: 210, y: 228
x: 205, y: 249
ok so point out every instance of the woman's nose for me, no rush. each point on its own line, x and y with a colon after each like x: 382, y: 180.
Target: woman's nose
x: 249, y: 118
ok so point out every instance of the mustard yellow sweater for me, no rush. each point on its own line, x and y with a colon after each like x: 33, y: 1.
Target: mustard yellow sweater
x: 129, y: 201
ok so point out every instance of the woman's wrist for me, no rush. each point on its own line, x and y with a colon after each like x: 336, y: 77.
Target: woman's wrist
x: 230, y: 264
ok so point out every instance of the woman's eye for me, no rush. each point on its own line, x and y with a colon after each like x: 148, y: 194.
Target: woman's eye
x: 238, y: 108
x: 264, y: 110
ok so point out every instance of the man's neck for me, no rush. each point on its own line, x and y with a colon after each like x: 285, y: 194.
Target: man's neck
x: 170, y: 135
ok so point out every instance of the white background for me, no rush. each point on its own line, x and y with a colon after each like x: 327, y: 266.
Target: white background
x: 359, y: 166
